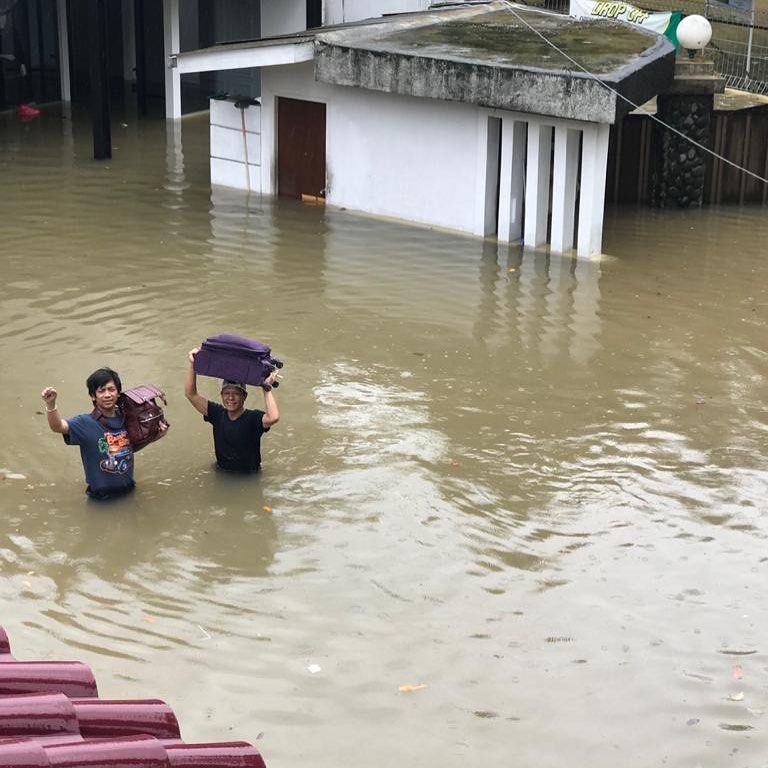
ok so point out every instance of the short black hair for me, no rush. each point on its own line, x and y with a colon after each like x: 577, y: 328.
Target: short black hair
x: 99, y: 378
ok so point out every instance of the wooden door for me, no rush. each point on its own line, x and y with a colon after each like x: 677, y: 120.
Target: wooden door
x: 300, y: 148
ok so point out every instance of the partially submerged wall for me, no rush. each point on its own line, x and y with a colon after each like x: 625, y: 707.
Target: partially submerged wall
x: 413, y: 159
x: 236, y: 145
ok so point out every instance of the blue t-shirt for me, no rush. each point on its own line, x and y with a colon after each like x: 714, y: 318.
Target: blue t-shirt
x: 105, y: 451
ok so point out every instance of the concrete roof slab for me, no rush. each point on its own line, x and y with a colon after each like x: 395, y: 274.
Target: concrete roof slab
x: 490, y: 55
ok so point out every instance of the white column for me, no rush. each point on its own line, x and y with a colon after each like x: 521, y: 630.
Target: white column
x: 594, y: 160
x: 171, y: 46
x: 564, y: 188
x: 174, y: 158
x: 268, y: 141
x: 61, y: 16
x: 537, y: 184
x: 512, y: 187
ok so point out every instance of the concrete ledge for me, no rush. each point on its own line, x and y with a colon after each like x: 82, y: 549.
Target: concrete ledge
x: 485, y: 55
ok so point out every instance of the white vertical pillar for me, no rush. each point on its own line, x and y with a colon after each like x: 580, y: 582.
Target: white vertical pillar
x: 61, y: 17
x: 269, y: 117
x: 171, y: 46
x: 174, y: 158
x: 512, y: 186
x: 594, y: 160
x: 564, y: 188
x: 537, y: 184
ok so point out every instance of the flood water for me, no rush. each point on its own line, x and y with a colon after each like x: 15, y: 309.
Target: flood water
x: 535, y: 486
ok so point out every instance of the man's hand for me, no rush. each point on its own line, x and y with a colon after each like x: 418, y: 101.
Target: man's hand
x: 270, y: 380
x: 199, y: 402
x: 55, y: 422
x: 49, y: 395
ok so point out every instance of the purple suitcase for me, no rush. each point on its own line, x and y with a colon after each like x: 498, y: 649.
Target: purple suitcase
x: 236, y: 358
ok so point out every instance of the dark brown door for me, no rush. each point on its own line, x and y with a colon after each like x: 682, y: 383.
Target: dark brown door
x: 300, y: 148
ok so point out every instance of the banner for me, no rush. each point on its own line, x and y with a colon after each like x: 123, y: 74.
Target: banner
x: 661, y: 23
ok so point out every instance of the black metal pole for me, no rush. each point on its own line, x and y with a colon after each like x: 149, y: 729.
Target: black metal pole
x: 141, y: 68
x: 41, y: 51
x: 102, y: 130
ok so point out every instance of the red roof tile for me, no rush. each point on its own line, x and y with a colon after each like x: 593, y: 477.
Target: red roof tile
x: 51, y: 717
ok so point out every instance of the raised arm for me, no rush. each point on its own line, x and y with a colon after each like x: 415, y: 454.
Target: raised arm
x: 55, y: 422
x: 271, y: 413
x: 199, y: 402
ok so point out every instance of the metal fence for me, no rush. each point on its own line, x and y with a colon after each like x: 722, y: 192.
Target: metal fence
x: 740, y: 67
x: 739, y: 43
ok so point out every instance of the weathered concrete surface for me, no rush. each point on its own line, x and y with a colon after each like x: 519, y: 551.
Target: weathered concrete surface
x: 696, y: 76
x: 486, y: 55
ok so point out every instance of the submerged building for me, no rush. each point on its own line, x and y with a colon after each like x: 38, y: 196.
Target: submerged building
x: 462, y: 117
x: 481, y: 117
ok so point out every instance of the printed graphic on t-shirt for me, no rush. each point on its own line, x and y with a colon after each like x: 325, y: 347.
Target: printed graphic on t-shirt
x: 117, y: 452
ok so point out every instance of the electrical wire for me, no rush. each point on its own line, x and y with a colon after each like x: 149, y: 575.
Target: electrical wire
x: 630, y: 102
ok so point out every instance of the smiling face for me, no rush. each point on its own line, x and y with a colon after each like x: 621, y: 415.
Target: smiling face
x: 233, y: 399
x: 105, y: 398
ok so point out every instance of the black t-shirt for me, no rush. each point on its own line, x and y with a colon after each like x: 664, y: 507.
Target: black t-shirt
x: 237, y: 443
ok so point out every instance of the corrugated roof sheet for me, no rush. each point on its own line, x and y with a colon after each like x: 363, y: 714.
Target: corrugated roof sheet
x: 52, y: 717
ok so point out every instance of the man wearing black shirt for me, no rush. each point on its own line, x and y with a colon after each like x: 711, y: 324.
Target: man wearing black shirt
x: 237, y: 431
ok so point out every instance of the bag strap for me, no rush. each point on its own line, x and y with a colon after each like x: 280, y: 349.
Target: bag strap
x: 143, y: 394
x: 102, y: 419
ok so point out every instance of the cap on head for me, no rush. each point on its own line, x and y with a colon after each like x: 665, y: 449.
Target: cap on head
x: 226, y: 383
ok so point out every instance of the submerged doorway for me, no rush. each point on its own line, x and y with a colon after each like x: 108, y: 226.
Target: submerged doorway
x: 300, y: 148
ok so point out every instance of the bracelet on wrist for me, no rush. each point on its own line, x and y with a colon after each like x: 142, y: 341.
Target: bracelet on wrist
x: 51, y: 410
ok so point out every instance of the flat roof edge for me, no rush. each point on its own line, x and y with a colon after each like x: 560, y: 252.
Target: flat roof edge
x: 556, y: 93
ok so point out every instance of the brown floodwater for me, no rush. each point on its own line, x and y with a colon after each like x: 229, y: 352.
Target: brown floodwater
x: 534, y: 485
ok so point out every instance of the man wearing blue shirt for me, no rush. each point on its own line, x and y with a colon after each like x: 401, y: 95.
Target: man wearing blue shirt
x: 105, y: 449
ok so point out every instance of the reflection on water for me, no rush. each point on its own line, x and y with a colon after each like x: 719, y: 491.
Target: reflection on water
x: 533, y: 484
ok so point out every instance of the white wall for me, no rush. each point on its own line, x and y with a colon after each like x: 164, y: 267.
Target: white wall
x: 413, y: 159
x: 339, y: 11
x: 235, y: 139
x: 280, y: 17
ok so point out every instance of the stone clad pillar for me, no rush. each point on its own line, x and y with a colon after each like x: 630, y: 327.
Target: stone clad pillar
x: 679, y: 165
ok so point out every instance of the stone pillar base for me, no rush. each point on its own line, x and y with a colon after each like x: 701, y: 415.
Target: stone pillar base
x: 678, y: 180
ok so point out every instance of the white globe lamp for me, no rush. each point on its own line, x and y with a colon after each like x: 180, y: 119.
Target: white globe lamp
x: 693, y: 33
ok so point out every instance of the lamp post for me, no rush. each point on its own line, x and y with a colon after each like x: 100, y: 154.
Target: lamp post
x: 694, y: 33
